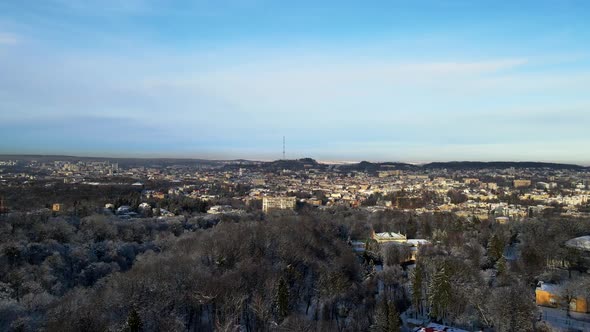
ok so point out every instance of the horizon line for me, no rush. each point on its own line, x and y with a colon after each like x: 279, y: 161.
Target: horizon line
x: 327, y: 162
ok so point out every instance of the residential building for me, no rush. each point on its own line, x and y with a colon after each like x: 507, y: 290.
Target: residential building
x: 521, y: 183
x: 279, y: 203
x: 549, y: 295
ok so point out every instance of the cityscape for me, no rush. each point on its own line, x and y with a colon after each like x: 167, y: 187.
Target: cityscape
x: 502, y: 229
x: 256, y: 165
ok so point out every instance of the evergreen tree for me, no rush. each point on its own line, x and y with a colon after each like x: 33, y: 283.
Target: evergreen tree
x: 386, y: 317
x: 495, y: 248
x: 381, y: 316
x: 417, y: 288
x: 134, y: 323
x: 501, y: 266
x: 282, y: 299
x: 393, y: 318
x: 440, y: 293
x: 371, y: 266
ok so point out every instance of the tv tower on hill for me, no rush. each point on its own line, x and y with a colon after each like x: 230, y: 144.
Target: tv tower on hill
x: 283, y: 147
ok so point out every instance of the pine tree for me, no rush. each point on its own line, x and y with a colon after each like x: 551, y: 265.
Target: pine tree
x: 381, y: 316
x: 282, y: 299
x: 134, y: 323
x: 371, y: 266
x: 501, y: 266
x: 495, y: 248
x: 417, y: 288
x: 386, y: 317
x: 393, y: 318
x: 440, y: 293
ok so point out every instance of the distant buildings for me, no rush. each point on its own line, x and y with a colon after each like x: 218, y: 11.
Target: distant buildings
x: 492, y: 186
x: 224, y: 209
x: 522, y: 183
x: 278, y: 203
x: 473, y: 192
x: 258, y: 182
x: 384, y: 174
x: 502, y: 220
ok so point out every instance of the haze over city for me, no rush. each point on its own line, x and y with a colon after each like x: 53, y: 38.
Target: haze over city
x: 402, y: 81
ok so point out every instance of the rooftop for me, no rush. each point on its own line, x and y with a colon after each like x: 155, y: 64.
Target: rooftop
x: 581, y: 243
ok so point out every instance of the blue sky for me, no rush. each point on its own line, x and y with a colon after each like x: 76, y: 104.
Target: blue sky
x: 409, y: 81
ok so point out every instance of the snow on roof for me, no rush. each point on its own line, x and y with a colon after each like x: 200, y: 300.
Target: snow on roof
x: 389, y: 235
x: 418, y: 241
x: 582, y: 243
x: 551, y: 288
x: 432, y: 327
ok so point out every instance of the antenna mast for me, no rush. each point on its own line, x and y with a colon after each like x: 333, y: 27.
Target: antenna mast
x: 283, y: 147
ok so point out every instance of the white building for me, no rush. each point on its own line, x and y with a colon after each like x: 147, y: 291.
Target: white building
x: 279, y: 203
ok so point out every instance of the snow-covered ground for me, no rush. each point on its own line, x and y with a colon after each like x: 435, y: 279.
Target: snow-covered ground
x: 558, y: 319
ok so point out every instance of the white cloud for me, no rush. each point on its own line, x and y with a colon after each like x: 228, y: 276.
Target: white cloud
x: 309, y: 100
x: 8, y: 38
x: 95, y: 7
x: 305, y: 86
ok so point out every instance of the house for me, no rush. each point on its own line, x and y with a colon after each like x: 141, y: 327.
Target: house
x: 278, y: 203
x: 502, y: 220
x: 582, y: 246
x: 162, y: 212
x: 414, y: 246
x: 358, y: 246
x: 581, y: 243
x: 123, y: 209
x: 399, y: 239
x: 548, y: 295
x: 57, y: 207
x: 224, y: 209
x: 218, y: 209
x: 521, y: 183
x: 388, y: 237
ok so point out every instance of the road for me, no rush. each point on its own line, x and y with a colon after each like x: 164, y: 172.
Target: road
x: 558, y: 319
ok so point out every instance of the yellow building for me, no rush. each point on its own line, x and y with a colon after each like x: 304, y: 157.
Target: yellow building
x: 446, y: 207
x: 522, y: 183
x: 535, y: 197
x: 547, y: 295
x: 258, y: 182
x: 388, y: 237
x: 57, y: 207
x: 502, y: 220
x: 392, y: 238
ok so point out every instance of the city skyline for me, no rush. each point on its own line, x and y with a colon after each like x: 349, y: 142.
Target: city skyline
x: 434, y: 81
